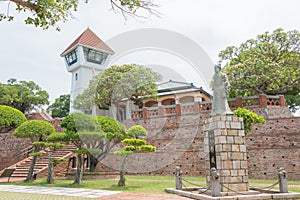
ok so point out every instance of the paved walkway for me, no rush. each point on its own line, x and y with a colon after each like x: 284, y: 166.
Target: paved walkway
x: 74, y: 192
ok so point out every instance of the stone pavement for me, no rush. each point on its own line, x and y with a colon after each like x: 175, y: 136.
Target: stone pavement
x: 87, y: 193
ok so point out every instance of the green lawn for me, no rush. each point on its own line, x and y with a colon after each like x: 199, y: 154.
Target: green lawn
x: 144, y: 184
x: 134, y: 184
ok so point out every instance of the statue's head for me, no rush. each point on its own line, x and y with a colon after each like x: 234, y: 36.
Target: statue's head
x: 217, y: 68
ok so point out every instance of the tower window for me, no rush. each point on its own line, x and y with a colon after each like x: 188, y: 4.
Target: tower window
x: 76, y: 76
x: 71, y: 58
x: 94, y: 56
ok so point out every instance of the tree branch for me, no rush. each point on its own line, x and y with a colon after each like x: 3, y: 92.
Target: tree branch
x: 26, y: 4
x: 146, y: 5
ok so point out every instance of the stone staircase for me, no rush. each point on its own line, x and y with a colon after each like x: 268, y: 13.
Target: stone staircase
x: 22, y: 167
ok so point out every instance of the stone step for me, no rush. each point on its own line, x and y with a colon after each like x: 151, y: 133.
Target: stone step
x: 41, y: 162
x: 18, y: 176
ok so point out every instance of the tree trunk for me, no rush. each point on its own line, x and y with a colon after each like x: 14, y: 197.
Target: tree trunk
x: 79, y: 170
x: 31, y: 168
x: 121, y: 182
x: 50, y: 177
x: 93, y: 163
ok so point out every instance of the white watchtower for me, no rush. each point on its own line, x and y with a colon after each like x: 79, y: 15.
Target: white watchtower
x: 86, y: 57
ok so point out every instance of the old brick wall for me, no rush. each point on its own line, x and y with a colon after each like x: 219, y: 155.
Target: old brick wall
x: 272, y: 145
x: 12, y: 149
x: 179, y: 142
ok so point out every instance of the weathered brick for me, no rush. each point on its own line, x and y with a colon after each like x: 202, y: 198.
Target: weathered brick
x: 236, y: 164
x: 239, y: 140
x: 236, y: 125
x: 242, y: 148
x: 226, y: 147
x: 235, y: 147
x: 237, y: 156
x: 233, y: 172
x: 224, y: 156
x: 227, y: 164
x: 232, y: 132
x: 230, y: 139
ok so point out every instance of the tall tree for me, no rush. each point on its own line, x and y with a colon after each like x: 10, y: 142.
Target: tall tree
x: 113, y: 132
x: 268, y: 65
x: 47, y: 13
x: 116, y: 83
x: 22, y: 95
x: 52, y: 143
x: 36, y: 131
x: 133, y: 145
x: 76, y: 127
x: 96, y: 136
x: 10, y: 118
x: 61, y: 106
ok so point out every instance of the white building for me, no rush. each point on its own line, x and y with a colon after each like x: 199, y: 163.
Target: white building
x: 86, y: 57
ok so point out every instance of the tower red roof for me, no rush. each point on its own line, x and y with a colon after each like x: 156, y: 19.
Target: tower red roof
x: 90, y: 39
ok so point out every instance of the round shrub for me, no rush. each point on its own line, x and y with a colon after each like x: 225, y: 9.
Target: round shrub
x: 10, y: 117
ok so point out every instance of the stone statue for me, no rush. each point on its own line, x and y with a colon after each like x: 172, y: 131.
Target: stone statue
x: 282, y: 179
x: 220, y: 87
x: 215, y: 183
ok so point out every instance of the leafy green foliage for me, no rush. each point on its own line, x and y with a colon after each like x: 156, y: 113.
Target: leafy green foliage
x: 53, y: 142
x: 250, y: 118
x: 78, y: 122
x: 49, y: 145
x: 36, y: 130
x: 36, y: 154
x: 10, y: 117
x: 113, y: 129
x: 268, y: 65
x: 123, y: 153
x: 48, y: 13
x: 61, y: 106
x: 57, y: 137
x: 136, y: 131
x: 133, y: 145
x: 81, y: 151
x: 116, y: 83
x: 134, y: 142
x: 148, y: 148
x: 129, y: 148
x: 99, y: 134
x: 23, y: 96
x: 56, y: 161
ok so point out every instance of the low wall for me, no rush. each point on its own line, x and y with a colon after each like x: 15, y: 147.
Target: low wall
x: 12, y: 149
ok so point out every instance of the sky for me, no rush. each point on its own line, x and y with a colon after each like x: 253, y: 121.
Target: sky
x: 29, y: 53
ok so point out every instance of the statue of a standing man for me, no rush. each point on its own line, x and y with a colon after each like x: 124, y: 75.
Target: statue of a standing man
x: 220, y: 87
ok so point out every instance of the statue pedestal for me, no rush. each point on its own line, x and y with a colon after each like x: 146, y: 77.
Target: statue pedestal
x: 225, y: 147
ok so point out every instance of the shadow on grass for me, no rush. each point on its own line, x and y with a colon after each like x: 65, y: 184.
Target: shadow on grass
x: 124, y: 188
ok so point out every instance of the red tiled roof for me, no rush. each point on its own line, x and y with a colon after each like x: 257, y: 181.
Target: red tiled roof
x: 88, y: 38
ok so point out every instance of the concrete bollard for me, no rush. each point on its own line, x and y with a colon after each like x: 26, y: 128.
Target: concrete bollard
x: 178, y: 178
x: 282, y: 179
x: 215, y: 183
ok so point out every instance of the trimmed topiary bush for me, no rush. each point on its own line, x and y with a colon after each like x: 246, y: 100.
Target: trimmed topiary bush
x: 10, y: 118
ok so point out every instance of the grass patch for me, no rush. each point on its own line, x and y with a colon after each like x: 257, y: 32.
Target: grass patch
x: 143, y: 184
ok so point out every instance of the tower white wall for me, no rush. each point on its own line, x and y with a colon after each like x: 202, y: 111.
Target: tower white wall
x: 82, y: 72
